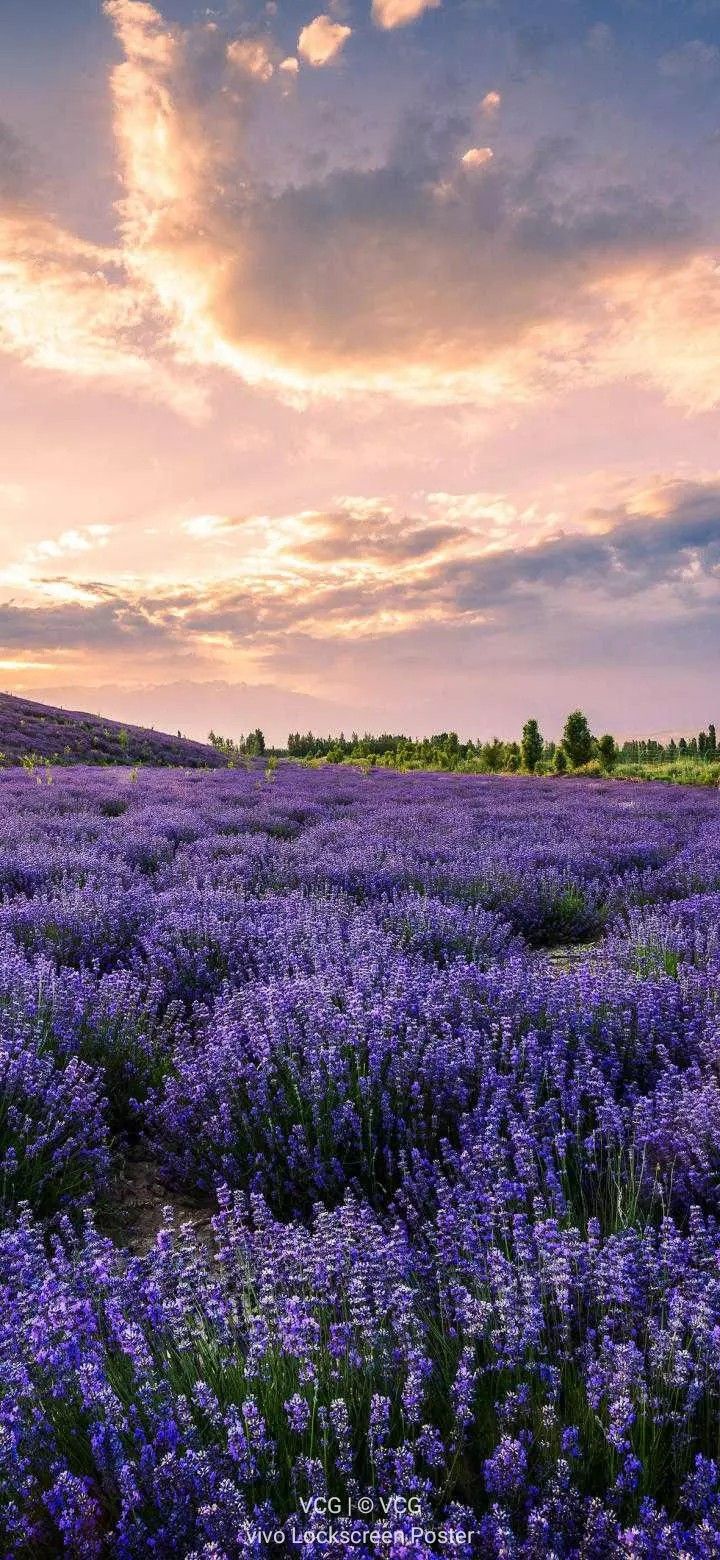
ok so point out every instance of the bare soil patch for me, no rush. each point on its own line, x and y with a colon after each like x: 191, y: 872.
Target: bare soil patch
x: 136, y: 1207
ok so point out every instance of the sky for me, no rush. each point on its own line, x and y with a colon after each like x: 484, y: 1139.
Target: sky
x: 360, y: 367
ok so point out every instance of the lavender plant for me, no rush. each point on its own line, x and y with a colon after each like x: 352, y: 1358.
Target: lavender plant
x: 466, y: 1249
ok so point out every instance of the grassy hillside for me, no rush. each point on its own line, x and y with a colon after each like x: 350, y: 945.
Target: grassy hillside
x: 28, y: 729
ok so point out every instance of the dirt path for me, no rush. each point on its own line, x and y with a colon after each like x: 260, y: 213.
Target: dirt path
x: 568, y: 956
x: 135, y: 1209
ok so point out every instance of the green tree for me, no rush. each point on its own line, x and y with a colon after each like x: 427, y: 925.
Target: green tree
x: 531, y: 746
x: 607, y: 751
x: 560, y: 761
x: 577, y: 739
x: 255, y: 744
x: 492, y: 755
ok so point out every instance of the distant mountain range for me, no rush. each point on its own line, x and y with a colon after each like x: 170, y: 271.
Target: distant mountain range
x: 231, y: 707
x: 74, y: 737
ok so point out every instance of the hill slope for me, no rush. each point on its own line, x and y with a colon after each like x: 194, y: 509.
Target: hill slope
x: 73, y: 737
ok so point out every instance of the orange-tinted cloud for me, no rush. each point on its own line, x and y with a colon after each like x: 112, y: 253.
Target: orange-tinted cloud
x: 322, y: 40
x: 399, y: 13
x: 367, y: 571
x: 366, y: 283
x: 251, y: 57
x: 69, y: 307
x: 662, y: 326
x: 362, y: 283
x: 477, y: 157
x: 490, y: 104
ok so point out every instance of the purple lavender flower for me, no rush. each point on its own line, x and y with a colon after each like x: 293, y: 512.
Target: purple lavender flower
x: 467, y: 1250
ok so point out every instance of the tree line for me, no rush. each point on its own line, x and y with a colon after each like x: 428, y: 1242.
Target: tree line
x: 579, y: 750
x: 648, y: 751
x: 237, y: 752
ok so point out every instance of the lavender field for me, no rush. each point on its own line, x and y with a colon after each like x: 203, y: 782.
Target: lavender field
x: 441, y: 1056
x: 40, y: 734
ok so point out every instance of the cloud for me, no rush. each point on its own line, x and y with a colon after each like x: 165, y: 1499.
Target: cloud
x: 477, y: 157
x: 81, y: 539
x: 322, y: 40
x: 402, y: 279
x: 412, y: 621
x: 366, y: 282
x: 493, y: 520
x: 251, y: 57
x: 13, y: 665
x: 62, y: 307
x: 109, y: 624
x: 662, y: 327
x: 399, y: 13
x: 71, y: 306
x: 204, y: 528
x: 490, y: 104
x: 373, y: 538
x: 367, y: 570
x: 68, y: 307
x: 398, y: 279
x: 660, y: 551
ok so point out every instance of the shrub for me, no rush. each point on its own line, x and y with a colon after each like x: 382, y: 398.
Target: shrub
x: 593, y: 770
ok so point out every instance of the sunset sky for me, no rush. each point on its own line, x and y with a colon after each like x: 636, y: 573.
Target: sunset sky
x: 361, y: 367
